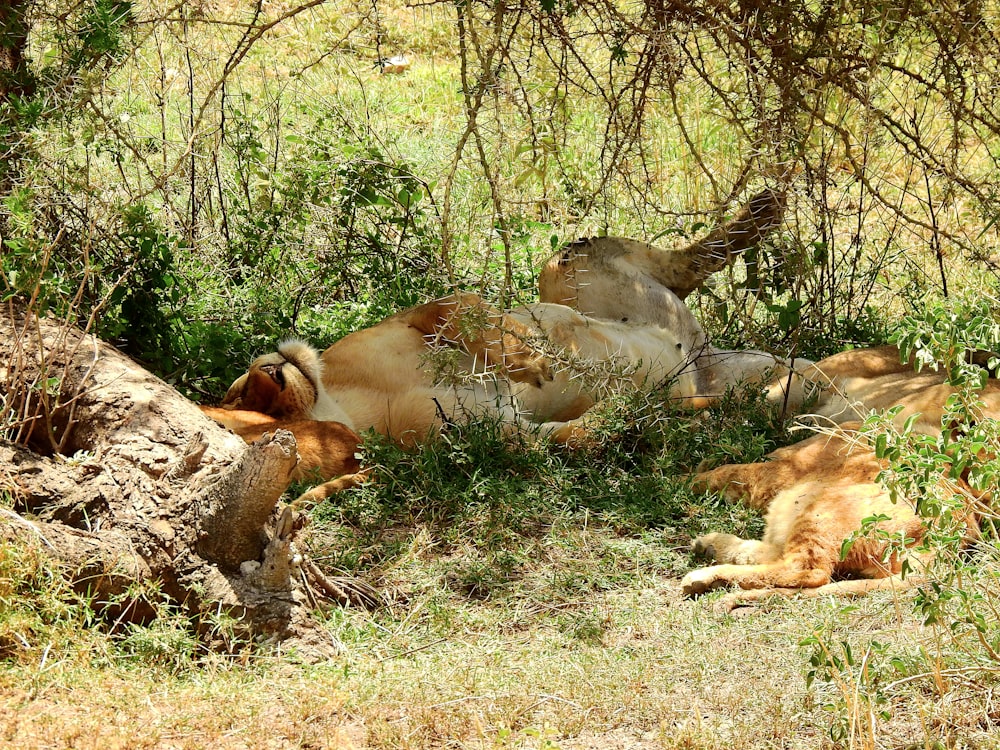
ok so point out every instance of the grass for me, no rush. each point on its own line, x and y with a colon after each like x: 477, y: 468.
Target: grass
x: 533, y: 602
x: 533, y: 594
x: 630, y: 667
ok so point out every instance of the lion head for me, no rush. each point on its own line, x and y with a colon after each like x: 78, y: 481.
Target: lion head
x: 285, y: 384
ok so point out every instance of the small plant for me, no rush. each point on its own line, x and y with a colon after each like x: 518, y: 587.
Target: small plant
x: 858, y: 673
x: 948, y: 475
x: 143, y: 315
x: 38, y: 611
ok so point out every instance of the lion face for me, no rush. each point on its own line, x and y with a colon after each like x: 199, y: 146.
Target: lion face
x: 276, y: 384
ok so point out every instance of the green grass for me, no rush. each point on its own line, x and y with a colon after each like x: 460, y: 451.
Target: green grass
x: 532, y: 600
x: 532, y: 593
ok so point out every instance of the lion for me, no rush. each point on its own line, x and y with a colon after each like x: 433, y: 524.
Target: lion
x: 817, y: 493
x: 539, y: 367
x: 329, y: 452
x: 855, y: 383
x: 615, y: 278
x: 384, y: 378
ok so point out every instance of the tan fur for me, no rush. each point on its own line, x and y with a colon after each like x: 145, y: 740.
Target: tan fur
x: 585, y: 275
x: 542, y: 364
x: 328, y: 451
x: 824, y: 488
x: 817, y: 492
x: 284, y: 384
x: 613, y: 278
x: 861, y: 381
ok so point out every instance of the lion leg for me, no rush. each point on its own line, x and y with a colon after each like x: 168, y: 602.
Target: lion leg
x: 847, y: 589
x: 485, y: 333
x: 729, y: 479
x: 321, y: 492
x: 690, y: 266
x: 747, y: 483
x: 785, y: 573
x: 575, y: 433
x: 731, y: 549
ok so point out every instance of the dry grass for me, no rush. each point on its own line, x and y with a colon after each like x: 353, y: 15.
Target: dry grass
x: 631, y: 668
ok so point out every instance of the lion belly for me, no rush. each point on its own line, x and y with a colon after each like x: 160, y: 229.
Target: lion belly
x: 812, y: 520
x: 592, y: 359
x: 388, y: 378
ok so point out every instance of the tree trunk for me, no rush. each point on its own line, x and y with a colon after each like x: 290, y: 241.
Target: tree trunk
x: 15, y: 76
x: 125, y: 481
x: 16, y: 83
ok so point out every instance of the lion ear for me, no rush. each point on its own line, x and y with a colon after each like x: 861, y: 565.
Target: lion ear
x: 234, y: 396
x: 301, y: 354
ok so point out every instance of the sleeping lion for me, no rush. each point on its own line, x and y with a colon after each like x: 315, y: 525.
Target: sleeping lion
x: 329, y: 452
x: 539, y: 367
x: 817, y: 493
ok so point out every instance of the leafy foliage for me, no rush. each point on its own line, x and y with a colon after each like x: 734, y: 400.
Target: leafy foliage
x: 959, y: 598
x: 139, y: 307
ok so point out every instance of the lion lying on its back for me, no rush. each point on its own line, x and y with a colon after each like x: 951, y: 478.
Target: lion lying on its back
x: 383, y: 378
x: 539, y: 367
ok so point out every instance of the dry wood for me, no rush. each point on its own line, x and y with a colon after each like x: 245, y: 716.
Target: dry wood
x: 124, y: 482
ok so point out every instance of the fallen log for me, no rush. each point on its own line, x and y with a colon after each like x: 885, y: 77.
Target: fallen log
x: 123, y: 481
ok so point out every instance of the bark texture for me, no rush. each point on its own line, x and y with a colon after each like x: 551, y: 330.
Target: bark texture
x: 15, y: 75
x: 124, y: 481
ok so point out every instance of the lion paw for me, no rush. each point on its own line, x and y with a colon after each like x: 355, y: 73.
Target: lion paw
x: 704, y: 546
x: 533, y: 370
x: 700, y: 581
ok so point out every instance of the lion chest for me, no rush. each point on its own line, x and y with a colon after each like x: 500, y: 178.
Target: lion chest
x: 812, y: 519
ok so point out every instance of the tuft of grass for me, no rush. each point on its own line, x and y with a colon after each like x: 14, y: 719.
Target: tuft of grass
x: 39, y: 614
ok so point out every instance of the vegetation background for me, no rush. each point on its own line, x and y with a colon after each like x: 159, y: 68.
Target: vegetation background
x: 193, y: 181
